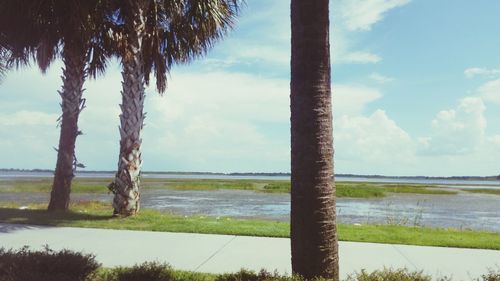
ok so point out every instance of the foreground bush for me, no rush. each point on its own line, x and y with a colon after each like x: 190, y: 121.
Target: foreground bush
x: 392, y: 275
x: 45, y: 265
x: 492, y: 275
x: 246, y: 275
x: 152, y: 271
x: 65, y: 265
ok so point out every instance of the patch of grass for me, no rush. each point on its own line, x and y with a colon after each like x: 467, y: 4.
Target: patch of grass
x: 45, y: 186
x: 416, y: 189
x: 98, y: 215
x: 277, y: 187
x: 359, y: 190
x: 210, y: 185
x: 422, y: 236
x: 365, y: 190
x: 482, y: 190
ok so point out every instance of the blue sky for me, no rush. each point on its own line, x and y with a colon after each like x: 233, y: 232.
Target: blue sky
x: 416, y: 91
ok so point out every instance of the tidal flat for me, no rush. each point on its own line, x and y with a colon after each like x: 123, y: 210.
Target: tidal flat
x: 360, y: 203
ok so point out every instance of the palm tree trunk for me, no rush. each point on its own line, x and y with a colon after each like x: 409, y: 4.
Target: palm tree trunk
x: 313, y: 226
x: 126, y: 186
x: 72, y: 104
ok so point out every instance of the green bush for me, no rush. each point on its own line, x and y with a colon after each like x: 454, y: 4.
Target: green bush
x: 65, y: 265
x: 263, y: 275
x: 492, y: 275
x: 148, y: 271
x: 247, y: 275
x: 392, y: 275
x: 45, y: 265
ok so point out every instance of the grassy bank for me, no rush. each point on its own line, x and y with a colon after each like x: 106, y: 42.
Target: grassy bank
x: 97, y: 215
x: 344, y: 189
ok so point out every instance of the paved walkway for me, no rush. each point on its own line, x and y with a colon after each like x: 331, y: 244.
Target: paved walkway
x: 226, y: 253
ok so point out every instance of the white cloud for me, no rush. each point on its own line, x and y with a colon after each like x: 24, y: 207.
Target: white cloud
x: 224, y: 94
x: 267, y: 25
x: 356, y: 58
x: 361, y: 15
x: 351, y: 100
x: 219, y: 122
x: 373, y: 144
x: 28, y: 118
x: 267, y: 54
x: 379, y: 78
x: 28, y: 139
x: 266, y: 40
x: 479, y: 71
x: 490, y: 91
x: 457, y: 131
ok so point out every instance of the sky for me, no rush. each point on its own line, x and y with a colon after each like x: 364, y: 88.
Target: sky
x: 415, y: 86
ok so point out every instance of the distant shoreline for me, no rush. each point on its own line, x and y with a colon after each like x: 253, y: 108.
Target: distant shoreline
x: 471, y: 178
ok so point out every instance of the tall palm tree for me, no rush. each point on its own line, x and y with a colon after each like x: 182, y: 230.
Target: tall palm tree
x: 313, y: 226
x: 46, y: 30
x: 152, y: 35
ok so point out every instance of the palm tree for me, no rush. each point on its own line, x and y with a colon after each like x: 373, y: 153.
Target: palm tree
x: 152, y: 35
x: 46, y: 30
x: 313, y: 227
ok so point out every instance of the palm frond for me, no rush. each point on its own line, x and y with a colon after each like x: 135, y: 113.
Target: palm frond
x: 180, y: 31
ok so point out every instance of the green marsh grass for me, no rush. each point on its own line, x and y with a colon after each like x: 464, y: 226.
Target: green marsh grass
x: 482, y: 190
x: 344, y: 189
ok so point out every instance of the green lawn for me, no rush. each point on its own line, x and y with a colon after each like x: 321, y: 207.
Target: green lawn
x: 97, y: 215
x: 344, y: 189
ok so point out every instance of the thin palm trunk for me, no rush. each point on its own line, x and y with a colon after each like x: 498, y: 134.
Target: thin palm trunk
x: 126, y: 186
x: 72, y: 104
x: 313, y: 227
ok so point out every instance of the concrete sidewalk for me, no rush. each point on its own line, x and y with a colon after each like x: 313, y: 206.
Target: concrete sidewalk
x: 226, y: 253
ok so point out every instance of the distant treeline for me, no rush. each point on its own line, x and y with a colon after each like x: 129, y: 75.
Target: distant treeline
x: 269, y: 174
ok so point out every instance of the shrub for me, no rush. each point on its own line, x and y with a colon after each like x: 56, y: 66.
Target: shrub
x: 492, y: 275
x: 148, y: 271
x: 392, y: 275
x: 263, y: 275
x: 45, y: 265
x: 247, y: 275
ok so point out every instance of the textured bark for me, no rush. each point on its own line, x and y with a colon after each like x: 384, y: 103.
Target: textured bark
x: 313, y: 226
x: 126, y: 186
x: 72, y: 104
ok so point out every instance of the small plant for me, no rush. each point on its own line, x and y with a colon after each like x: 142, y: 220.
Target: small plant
x: 45, y: 265
x: 263, y: 275
x: 148, y: 271
x: 388, y: 274
x: 492, y: 275
x: 397, y: 216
